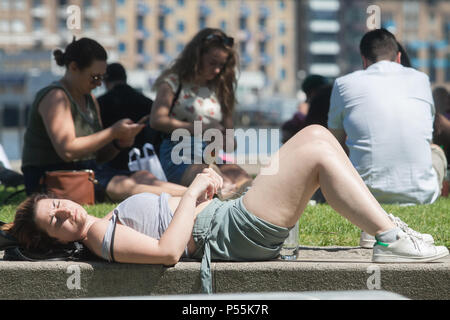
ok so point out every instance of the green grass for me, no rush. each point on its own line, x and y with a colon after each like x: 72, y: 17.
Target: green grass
x: 320, y: 225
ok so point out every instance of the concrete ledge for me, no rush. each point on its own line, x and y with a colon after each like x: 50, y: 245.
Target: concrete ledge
x: 316, y: 269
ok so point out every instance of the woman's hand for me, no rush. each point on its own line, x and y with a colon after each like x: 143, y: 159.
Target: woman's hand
x: 205, y: 185
x: 125, y: 131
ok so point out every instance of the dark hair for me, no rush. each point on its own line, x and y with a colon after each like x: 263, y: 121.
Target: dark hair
x: 404, y: 58
x: 24, y: 227
x: 188, y: 64
x: 83, y: 52
x: 115, y: 72
x: 379, y: 44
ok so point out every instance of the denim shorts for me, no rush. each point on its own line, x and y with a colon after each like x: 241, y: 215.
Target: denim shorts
x: 174, y: 172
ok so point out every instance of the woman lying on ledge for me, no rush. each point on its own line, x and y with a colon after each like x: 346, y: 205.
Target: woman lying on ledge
x: 252, y: 227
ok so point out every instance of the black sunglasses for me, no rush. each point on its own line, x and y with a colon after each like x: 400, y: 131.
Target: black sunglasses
x: 98, y: 77
x: 227, y: 41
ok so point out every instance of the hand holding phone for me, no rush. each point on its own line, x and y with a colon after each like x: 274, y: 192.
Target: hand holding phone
x: 144, y: 119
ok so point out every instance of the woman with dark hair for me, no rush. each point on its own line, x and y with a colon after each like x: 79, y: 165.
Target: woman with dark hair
x: 65, y: 131
x: 159, y: 230
x: 198, y: 88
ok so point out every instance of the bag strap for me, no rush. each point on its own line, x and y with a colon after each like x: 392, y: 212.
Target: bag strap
x: 175, y: 98
x: 111, y: 249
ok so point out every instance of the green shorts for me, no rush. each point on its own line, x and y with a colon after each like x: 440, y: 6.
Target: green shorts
x: 227, y: 231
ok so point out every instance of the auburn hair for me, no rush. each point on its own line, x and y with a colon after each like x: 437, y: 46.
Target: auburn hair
x: 24, y: 227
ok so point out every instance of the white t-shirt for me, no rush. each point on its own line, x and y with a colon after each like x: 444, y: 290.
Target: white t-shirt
x: 387, y: 112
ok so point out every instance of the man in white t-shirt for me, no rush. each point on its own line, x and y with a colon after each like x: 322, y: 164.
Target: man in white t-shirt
x: 384, y: 114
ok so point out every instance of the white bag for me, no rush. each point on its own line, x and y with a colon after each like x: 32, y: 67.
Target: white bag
x: 147, y: 162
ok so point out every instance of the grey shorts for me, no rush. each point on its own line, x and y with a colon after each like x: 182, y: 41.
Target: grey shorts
x: 227, y: 231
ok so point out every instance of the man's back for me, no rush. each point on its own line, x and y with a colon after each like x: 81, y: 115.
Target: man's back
x: 387, y: 113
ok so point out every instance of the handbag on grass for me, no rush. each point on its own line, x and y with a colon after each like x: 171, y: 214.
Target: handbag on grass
x: 149, y: 161
x: 75, y: 185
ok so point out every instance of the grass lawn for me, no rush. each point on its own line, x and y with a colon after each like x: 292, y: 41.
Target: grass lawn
x: 320, y: 225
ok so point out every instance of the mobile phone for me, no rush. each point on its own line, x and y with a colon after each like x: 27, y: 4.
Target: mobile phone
x: 143, y: 119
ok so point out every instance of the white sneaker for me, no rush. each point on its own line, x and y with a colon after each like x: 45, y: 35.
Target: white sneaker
x: 407, y: 248
x: 366, y: 240
x: 428, y: 238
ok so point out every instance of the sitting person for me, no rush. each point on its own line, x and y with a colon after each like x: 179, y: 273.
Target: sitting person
x: 65, y: 131
x: 119, y: 102
x: 386, y: 126
x: 313, y: 87
x: 160, y: 230
x: 441, y: 132
x: 198, y: 91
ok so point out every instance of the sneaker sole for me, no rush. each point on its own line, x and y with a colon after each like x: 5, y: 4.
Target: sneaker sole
x: 389, y: 258
x: 368, y: 244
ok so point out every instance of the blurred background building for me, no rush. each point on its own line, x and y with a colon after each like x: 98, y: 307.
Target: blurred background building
x: 280, y: 42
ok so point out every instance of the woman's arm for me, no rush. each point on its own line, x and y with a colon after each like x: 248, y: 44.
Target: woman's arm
x: 57, y: 117
x: 159, y: 117
x: 131, y: 246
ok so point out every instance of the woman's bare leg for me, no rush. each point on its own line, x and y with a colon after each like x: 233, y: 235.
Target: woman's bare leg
x: 310, y: 159
x: 121, y: 187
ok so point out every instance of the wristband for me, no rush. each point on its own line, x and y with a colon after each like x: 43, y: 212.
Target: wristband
x: 116, y: 145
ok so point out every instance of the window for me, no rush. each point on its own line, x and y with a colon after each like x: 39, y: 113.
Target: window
x: 87, y: 3
x: 223, y: 25
x: 4, y: 26
x: 202, y: 22
x: 121, y: 25
x: 122, y: 47
x: 432, y: 67
x: 88, y: 24
x: 181, y: 3
x: 140, y: 22
x: 140, y: 46
x: 179, y: 47
x: 180, y: 26
x: 262, y: 22
x: 161, y: 22
x: 282, y: 28
x: 282, y: 50
x: 19, y: 5
x: 120, y: 3
x: 243, y: 46
x: 161, y: 46
x: 242, y: 23
x: 283, y: 74
x: 18, y: 26
x: 37, y: 24
x: 447, y: 68
x: 262, y: 47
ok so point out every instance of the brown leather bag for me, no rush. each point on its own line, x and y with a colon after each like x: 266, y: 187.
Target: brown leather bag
x: 75, y: 185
